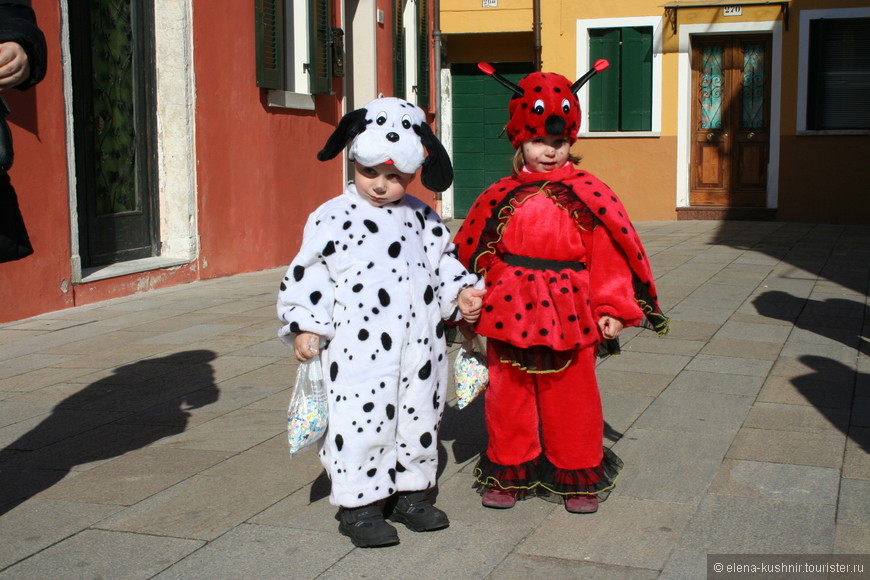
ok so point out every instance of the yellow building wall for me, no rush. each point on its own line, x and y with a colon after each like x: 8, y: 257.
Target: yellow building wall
x: 469, y: 16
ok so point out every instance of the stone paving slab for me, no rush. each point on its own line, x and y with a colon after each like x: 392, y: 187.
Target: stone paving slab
x: 740, y: 525
x: 794, y: 447
x: 100, y: 554
x: 657, y: 468
x: 40, y: 524
x: 777, y: 481
x: 649, y: 527
x: 522, y: 567
x: 259, y: 551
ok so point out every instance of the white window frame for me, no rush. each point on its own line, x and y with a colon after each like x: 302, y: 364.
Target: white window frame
x: 298, y: 94
x: 806, y: 17
x: 412, y: 42
x: 583, y: 65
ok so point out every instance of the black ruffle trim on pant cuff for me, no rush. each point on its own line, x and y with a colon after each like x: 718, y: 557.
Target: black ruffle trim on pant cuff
x: 542, y: 478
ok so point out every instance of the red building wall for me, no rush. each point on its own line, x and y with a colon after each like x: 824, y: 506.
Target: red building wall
x: 258, y: 177
x: 41, y: 281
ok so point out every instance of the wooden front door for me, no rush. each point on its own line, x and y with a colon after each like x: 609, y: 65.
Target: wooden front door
x: 114, y: 120
x: 730, y: 120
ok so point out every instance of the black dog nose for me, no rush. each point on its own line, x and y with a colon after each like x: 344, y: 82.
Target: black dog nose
x: 392, y: 137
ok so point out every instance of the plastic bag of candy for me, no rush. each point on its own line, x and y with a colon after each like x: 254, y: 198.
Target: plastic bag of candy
x: 307, y: 414
x: 470, y: 370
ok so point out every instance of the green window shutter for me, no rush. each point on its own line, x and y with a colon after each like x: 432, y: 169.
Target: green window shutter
x: 423, y: 54
x: 320, y: 47
x: 269, y: 19
x: 604, y: 89
x: 635, y: 72
x: 839, y: 74
x: 399, y: 81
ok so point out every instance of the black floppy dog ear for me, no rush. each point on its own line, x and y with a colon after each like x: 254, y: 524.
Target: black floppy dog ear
x: 351, y: 125
x: 437, y: 173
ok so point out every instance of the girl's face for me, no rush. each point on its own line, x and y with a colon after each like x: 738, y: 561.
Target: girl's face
x: 381, y: 184
x: 544, y: 154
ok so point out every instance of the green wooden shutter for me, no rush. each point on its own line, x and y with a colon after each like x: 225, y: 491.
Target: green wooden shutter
x: 320, y: 50
x: 604, y: 88
x: 269, y: 19
x: 423, y: 54
x: 399, y: 81
x: 635, y: 73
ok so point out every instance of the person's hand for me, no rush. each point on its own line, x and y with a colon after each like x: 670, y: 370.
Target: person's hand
x: 14, y: 65
x: 306, y: 346
x: 610, y: 327
x: 470, y: 303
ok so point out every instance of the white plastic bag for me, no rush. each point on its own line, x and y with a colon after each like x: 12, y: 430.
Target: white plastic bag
x: 307, y: 414
x: 470, y: 370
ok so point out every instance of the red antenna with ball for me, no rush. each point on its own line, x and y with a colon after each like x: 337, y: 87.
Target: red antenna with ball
x: 487, y: 68
x: 599, y: 66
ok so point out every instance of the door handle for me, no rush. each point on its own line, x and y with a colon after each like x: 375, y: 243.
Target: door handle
x: 751, y: 135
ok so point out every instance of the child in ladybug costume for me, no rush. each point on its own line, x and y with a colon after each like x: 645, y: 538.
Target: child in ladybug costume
x: 565, y: 272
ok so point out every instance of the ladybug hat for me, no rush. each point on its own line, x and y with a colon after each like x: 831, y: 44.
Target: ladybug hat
x: 543, y: 104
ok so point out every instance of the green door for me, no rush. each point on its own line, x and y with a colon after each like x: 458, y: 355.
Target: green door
x: 115, y: 128
x: 481, y: 150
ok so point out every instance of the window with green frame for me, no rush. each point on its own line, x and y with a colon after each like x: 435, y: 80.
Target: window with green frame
x: 838, y: 95
x: 403, y: 86
x: 294, y: 45
x: 621, y: 99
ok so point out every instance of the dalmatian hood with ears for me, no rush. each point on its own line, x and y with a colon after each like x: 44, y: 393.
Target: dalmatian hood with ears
x: 391, y: 130
x: 390, y: 136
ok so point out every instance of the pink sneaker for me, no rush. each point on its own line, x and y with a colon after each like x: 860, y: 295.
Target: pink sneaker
x: 581, y: 504
x: 498, y: 498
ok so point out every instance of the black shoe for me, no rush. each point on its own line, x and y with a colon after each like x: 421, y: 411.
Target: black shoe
x: 366, y: 528
x: 415, y: 510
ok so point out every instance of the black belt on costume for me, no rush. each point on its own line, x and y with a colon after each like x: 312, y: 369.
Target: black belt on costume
x: 542, y: 264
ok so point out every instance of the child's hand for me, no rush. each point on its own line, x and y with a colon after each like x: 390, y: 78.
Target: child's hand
x: 306, y: 346
x: 610, y: 327
x: 470, y: 303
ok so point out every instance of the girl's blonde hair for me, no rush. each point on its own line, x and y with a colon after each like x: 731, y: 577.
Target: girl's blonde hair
x: 518, y: 161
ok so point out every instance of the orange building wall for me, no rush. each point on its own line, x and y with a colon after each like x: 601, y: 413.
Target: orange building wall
x: 40, y: 282
x: 824, y: 179
x: 640, y: 171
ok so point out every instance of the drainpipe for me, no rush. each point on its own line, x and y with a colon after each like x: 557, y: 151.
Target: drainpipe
x: 536, y: 28
x: 436, y: 38
x: 436, y: 93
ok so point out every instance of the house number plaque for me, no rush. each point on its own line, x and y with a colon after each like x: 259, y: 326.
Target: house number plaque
x: 728, y: 10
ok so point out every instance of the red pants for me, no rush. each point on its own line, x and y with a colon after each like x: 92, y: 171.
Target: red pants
x: 563, y: 407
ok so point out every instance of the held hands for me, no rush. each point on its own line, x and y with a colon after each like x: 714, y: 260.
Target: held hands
x: 306, y: 346
x: 610, y: 327
x: 14, y: 65
x: 470, y: 303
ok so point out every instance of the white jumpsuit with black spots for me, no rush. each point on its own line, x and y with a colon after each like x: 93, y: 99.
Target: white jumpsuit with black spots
x: 376, y: 283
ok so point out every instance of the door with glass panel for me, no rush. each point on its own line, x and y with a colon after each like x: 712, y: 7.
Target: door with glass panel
x: 730, y: 120
x: 115, y: 128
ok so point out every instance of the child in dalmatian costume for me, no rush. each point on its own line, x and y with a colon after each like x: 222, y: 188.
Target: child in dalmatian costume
x: 375, y: 279
x: 565, y: 271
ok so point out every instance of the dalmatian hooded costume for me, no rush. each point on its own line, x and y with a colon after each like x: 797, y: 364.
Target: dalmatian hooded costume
x: 376, y: 283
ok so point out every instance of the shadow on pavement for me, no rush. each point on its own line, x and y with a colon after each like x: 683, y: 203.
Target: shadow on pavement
x: 138, y: 404
x: 832, y: 385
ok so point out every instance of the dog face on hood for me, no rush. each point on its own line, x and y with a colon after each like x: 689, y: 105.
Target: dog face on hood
x: 391, y: 130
